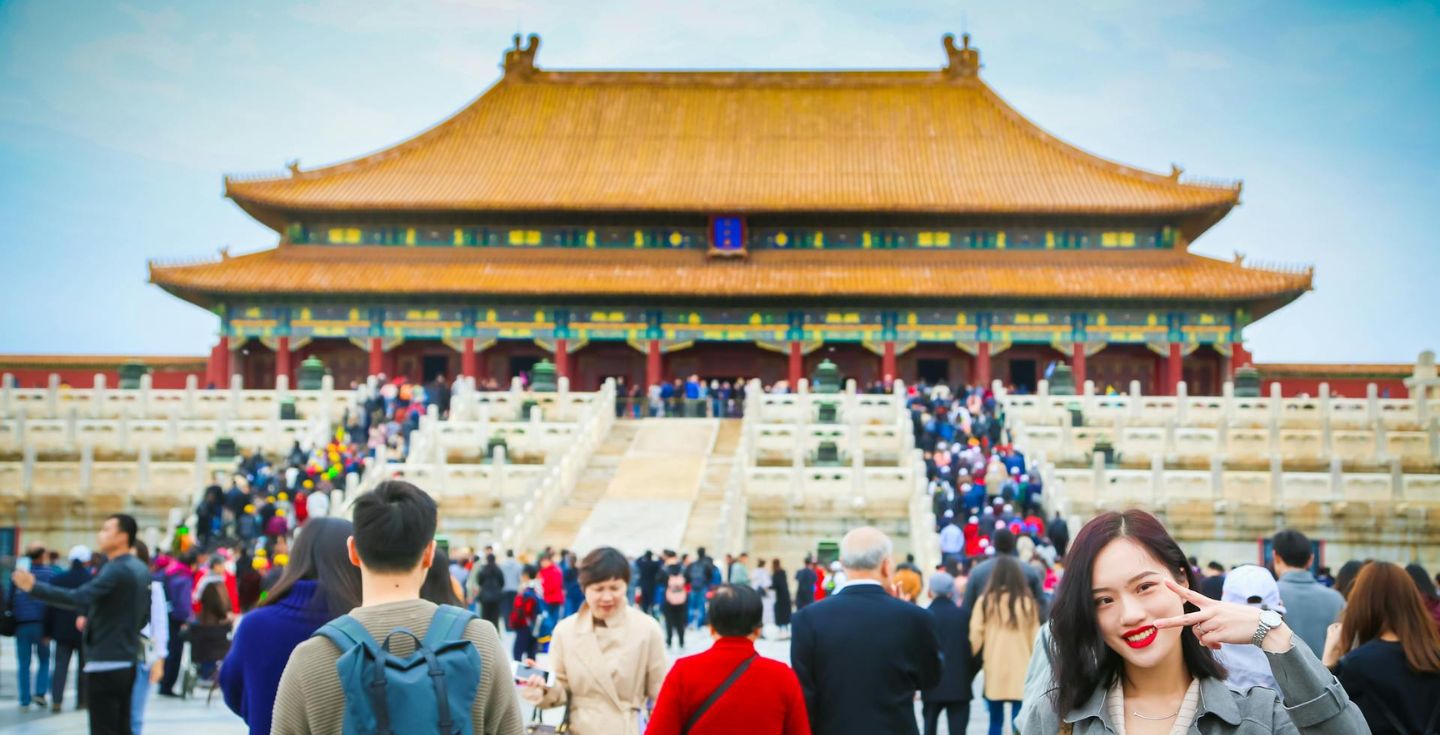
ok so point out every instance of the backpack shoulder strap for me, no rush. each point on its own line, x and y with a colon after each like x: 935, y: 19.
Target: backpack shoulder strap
x: 447, y: 625
x: 347, y: 632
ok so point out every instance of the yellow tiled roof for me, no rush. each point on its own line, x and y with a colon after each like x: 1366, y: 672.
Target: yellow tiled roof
x: 377, y: 271
x: 937, y: 141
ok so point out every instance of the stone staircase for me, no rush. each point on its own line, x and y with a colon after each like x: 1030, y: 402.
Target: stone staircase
x: 567, y: 519
x: 647, y: 501
x: 705, y: 514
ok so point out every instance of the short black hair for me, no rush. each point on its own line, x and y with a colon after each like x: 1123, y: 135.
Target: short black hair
x: 393, y: 525
x: 1004, y: 541
x: 127, y: 525
x: 530, y: 570
x: 1217, y: 566
x: 1293, y: 548
x: 735, y: 610
x: 602, y: 565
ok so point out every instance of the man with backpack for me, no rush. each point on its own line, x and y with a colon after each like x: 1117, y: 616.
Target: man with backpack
x: 177, y: 576
x: 398, y: 663
x: 699, y: 575
x: 525, y: 615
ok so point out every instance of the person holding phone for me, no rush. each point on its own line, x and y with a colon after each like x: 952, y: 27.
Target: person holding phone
x: 608, y: 659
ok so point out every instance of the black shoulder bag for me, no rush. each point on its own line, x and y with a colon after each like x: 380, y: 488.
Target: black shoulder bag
x: 8, y: 623
x: 705, y: 707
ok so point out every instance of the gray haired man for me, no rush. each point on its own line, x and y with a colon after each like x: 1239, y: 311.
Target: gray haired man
x: 862, y: 653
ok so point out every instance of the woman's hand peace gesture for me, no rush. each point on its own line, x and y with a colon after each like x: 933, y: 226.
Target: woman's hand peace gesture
x: 1219, y: 622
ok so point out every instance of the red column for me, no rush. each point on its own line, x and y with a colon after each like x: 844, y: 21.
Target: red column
x: 1239, y: 357
x: 1077, y: 366
x: 562, y: 358
x: 1172, y: 370
x: 282, y: 359
x: 467, y: 359
x: 652, y: 364
x: 982, y: 365
x: 222, y: 362
x: 797, y: 364
x: 377, y: 356
x: 887, y: 362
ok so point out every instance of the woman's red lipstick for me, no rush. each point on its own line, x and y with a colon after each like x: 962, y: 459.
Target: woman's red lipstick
x: 1146, y: 635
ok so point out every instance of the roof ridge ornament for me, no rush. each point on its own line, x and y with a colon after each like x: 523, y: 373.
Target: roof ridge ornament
x: 964, y: 62
x: 520, y: 61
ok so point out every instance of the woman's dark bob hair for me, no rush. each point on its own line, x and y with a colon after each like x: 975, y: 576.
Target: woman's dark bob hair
x: 736, y: 610
x: 602, y: 565
x: 1081, y: 659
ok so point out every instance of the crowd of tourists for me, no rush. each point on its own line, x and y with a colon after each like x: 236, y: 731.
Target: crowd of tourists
x: 1131, y: 638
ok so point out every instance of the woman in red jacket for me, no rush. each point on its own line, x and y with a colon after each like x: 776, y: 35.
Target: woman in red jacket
x: 756, y: 695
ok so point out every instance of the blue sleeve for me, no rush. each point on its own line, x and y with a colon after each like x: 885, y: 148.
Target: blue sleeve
x: 232, y: 671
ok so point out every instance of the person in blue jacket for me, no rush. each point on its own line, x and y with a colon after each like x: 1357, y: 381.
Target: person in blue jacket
x: 318, y: 585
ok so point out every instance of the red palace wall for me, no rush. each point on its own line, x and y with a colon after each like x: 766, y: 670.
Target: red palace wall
x: 1340, y: 387
x: 38, y: 375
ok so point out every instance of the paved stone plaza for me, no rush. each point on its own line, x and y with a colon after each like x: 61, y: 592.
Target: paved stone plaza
x: 165, y: 715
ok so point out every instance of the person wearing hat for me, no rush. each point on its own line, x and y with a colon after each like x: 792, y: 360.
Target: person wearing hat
x: 1247, y: 666
x: 60, y: 626
x: 952, y: 695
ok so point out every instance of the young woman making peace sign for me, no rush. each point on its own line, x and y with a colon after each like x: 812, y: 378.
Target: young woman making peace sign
x: 1130, y: 649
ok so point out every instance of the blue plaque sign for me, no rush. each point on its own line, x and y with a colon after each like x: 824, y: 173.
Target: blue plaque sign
x: 727, y: 235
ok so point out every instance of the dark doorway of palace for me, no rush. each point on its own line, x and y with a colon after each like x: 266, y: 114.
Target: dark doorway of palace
x: 931, y: 371
x: 432, y: 366
x: 1022, y: 375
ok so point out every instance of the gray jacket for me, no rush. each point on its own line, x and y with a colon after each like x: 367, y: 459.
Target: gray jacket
x: 980, y: 576
x: 1311, y: 701
x: 116, y: 605
x: 1310, y: 608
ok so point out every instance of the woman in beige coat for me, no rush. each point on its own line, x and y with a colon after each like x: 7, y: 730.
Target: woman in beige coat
x: 608, y: 658
x: 1002, y: 631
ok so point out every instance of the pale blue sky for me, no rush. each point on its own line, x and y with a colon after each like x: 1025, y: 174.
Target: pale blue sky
x: 117, y: 121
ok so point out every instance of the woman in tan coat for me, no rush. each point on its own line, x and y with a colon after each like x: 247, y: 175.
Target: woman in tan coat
x: 608, y: 658
x: 1002, y: 631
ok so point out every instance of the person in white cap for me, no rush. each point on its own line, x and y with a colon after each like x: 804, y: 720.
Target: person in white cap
x: 1249, y: 585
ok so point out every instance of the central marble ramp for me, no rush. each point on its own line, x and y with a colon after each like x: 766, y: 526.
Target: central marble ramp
x: 648, y: 501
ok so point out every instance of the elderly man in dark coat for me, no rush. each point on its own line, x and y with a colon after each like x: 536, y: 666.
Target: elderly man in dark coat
x: 953, y: 694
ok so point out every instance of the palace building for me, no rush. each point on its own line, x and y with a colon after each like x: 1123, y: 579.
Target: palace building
x: 655, y: 224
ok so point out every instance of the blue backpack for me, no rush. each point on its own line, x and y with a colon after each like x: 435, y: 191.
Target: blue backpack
x: 432, y: 689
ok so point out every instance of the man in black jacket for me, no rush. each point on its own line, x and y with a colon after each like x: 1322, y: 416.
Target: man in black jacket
x: 117, y: 605
x: 953, y: 694
x: 861, y: 654
x: 805, y: 584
